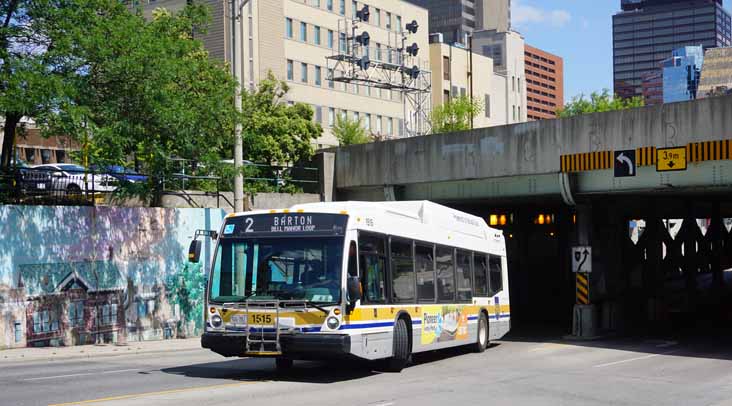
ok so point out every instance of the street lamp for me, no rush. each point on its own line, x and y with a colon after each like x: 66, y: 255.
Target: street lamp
x: 236, y: 11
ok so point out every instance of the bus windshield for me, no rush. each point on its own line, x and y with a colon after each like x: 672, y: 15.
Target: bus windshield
x: 278, y: 268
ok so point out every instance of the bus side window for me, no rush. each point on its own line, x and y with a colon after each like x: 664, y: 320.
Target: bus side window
x: 372, y: 258
x: 496, y: 275
x: 445, y: 274
x: 481, y: 275
x: 402, y: 270
x: 464, y: 277
x: 352, y: 260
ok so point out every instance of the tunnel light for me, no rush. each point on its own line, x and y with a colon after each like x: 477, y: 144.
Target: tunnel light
x: 493, y: 220
x: 502, y: 220
x: 540, y: 220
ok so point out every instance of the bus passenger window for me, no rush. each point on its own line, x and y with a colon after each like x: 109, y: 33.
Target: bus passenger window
x: 496, y: 276
x: 352, y: 260
x: 463, y: 273
x: 402, y: 267
x: 425, y: 264
x: 372, y: 254
x: 445, y: 275
x: 481, y: 275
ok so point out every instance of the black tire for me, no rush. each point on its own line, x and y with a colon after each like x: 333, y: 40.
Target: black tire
x: 283, y: 364
x: 482, y: 339
x: 402, y: 351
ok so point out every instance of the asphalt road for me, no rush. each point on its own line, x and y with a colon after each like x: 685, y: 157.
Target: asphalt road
x: 519, y: 371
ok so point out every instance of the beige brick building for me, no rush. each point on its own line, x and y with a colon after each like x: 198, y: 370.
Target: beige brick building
x: 292, y: 38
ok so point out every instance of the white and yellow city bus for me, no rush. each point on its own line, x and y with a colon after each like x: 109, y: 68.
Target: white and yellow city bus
x: 374, y: 281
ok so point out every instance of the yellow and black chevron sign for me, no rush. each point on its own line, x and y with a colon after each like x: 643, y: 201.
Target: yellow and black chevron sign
x: 583, y: 288
x: 645, y: 156
x: 709, y: 151
x: 589, y: 161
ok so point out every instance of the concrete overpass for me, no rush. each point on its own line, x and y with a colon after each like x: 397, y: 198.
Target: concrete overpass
x: 552, y: 184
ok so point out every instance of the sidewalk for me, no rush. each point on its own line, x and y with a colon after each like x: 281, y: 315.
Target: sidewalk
x: 95, y: 351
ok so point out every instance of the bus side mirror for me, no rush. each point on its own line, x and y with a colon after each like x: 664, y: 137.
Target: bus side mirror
x: 194, y: 251
x: 354, y: 289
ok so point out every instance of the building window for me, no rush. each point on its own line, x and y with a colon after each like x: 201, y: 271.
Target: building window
x: 514, y: 113
x: 342, y: 43
x: 76, y: 314
x: 342, y: 7
x: 60, y: 156
x: 356, y: 116
x: 388, y: 20
x: 487, y: 105
x: 290, y: 75
x: 331, y: 84
x: 316, y: 3
x: 518, y: 83
x: 30, y: 155
x: 445, y: 96
x: 378, y: 124
x: 377, y: 17
x: 303, y: 32
x: 288, y: 27
x: 378, y: 52
x: 519, y: 113
x: 318, y: 76
x: 390, y: 126
x: 330, y: 39
x: 316, y: 35
x: 513, y: 83
x: 331, y: 117
x: 46, y: 156
x: 367, y: 122
x: 446, y: 67
x: 318, y: 114
x: 304, y: 73
x: 18, y: 328
x: 45, y: 321
x: 329, y: 5
x: 399, y: 23
x: 354, y: 7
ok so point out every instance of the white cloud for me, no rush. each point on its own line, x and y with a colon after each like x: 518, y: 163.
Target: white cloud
x: 523, y: 15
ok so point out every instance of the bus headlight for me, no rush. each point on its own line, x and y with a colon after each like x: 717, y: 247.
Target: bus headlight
x: 332, y: 323
x: 216, y: 321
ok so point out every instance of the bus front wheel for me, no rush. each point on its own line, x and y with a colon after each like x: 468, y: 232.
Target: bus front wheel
x: 401, y: 352
x: 482, y: 342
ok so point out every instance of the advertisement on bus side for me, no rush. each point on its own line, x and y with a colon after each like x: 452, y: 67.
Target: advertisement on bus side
x: 444, y: 323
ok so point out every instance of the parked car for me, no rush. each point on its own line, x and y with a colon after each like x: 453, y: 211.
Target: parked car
x: 33, y: 182
x: 76, y: 179
x: 125, y: 174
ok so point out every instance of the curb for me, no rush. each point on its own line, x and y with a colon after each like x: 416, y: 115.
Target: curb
x: 115, y: 352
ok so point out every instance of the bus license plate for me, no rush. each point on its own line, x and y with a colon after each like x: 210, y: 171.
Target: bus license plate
x: 261, y: 319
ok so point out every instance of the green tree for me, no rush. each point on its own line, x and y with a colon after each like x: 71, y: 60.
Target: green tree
x: 455, y: 114
x: 350, y: 132
x: 275, y: 132
x: 598, y: 102
x: 146, y: 91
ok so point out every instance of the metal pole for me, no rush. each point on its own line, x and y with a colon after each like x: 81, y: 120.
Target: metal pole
x: 236, y: 7
x: 470, y: 47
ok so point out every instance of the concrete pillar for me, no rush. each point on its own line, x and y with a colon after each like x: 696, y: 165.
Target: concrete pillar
x: 325, y: 162
x: 585, y: 317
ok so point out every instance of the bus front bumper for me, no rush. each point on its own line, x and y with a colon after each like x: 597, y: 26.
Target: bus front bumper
x: 297, y: 346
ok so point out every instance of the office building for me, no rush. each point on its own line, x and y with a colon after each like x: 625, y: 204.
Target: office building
x: 455, y: 19
x: 681, y: 74
x: 652, y: 85
x: 455, y: 72
x: 716, y: 74
x: 292, y: 39
x: 646, y: 31
x: 544, y: 83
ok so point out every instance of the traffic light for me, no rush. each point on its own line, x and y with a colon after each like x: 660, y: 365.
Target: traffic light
x: 364, y: 39
x: 413, y: 49
x: 363, y: 14
x: 412, y: 72
x: 413, y: 27
x: 364, y: 63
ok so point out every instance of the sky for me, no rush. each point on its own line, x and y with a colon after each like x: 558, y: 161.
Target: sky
x: 580, y: 31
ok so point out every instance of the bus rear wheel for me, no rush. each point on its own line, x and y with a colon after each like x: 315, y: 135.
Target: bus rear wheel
x: 401, y: 352
x: 482, y: 342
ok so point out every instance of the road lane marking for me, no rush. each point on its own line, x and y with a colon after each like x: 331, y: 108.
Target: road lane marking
x: 84, y: 374
x: 164, y: 392
x: 609, y: 364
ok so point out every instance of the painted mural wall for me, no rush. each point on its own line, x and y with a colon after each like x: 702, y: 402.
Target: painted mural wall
x: 84, y: 275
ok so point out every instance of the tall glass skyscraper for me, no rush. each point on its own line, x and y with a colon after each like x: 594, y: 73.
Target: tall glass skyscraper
x: 646, y: 31
x: 681, y: 74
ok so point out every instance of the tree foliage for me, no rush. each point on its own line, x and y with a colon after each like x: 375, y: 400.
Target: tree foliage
x: 350, y: 132
x: 598, y: 102
x: 275, y: 132
x: 455, y: 114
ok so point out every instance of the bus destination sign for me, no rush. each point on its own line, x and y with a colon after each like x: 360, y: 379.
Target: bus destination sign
x: 286, y: 224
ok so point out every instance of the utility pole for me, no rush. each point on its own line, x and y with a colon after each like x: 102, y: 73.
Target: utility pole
x: 236, y: 15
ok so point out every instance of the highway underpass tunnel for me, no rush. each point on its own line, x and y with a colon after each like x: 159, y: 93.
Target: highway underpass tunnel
x: 537, y: 244
x: 658, y: 265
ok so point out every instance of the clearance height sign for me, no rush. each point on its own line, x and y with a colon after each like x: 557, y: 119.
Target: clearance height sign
x: 444, y: 323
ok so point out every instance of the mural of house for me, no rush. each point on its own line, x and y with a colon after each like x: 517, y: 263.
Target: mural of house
x: 84, y: 275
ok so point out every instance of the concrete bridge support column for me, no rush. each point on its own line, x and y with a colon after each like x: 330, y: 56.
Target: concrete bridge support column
x: 585, y: 316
